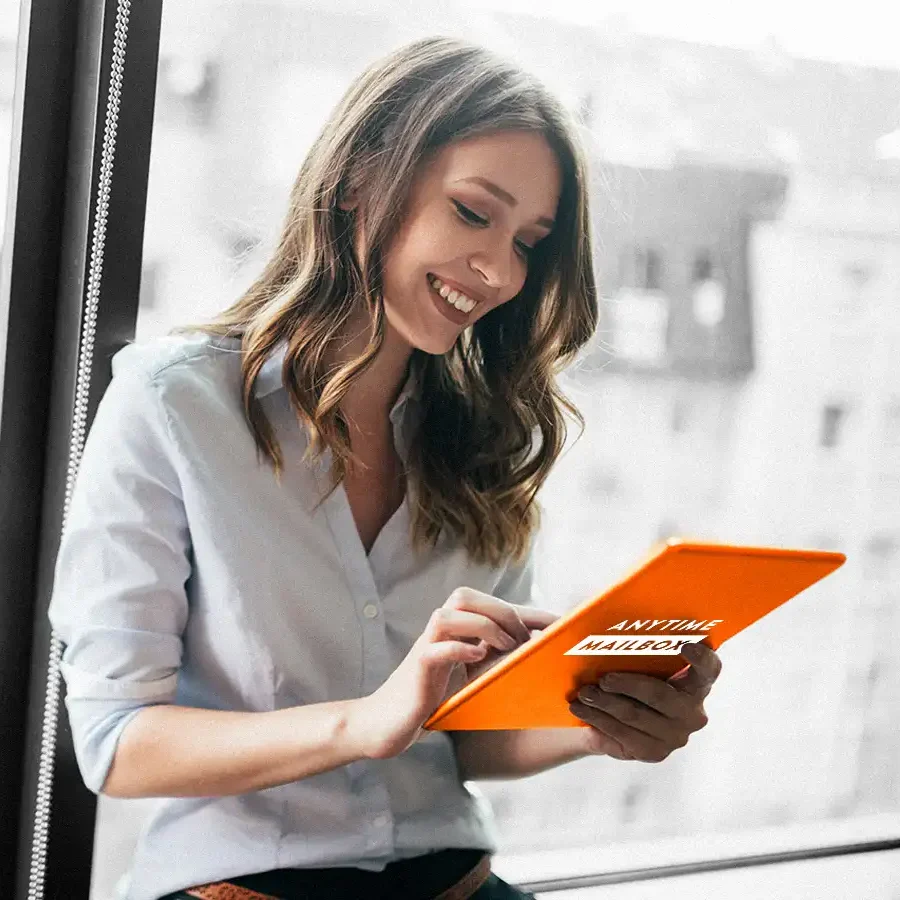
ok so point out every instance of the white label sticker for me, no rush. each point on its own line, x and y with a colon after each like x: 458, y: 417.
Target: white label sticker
x: 641, y: 645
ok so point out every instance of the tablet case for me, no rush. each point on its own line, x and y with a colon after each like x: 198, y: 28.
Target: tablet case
x: 684, y: 591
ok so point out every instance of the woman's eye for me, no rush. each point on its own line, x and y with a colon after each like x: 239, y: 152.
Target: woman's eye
x: 474, y: 219
x: 525, y: 248
x: 468, y: 215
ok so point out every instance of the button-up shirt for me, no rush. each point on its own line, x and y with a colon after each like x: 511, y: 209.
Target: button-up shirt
x: 187, y: 575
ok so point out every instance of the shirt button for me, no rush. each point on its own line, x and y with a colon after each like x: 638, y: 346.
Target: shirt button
x: 370, y: 610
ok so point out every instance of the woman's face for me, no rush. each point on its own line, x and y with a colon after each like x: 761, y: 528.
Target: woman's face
x: 475, y: 209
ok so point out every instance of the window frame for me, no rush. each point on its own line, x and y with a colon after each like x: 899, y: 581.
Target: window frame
x: 61, y: 108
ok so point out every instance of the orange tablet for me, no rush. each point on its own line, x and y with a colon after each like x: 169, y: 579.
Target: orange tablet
x: 686, y: 591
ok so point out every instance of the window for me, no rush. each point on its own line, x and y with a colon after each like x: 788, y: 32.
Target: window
x: 638, y: 491
x: 707, y: 291
x: 833, y: 417
x: 641, y: 267
x: 242, y: 88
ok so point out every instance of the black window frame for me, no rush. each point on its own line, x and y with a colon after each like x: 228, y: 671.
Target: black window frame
x: 68, y: 56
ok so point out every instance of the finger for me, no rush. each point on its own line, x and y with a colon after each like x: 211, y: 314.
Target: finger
x: 440, y: 653
x: 703, y: 658
x: 705, y: 668
x: 458, y: 623
x: 689, y: 682
x: 650, y: 691
x: 535, y: 618
x: 506, y: 615
x: 635, y: 715
x: 640, y: 745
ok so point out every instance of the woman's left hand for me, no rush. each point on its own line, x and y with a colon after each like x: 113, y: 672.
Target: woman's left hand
x: 643, y: 718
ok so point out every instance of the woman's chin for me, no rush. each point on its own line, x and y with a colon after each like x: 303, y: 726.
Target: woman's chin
x: 435, y: 341
x: 437, y: 344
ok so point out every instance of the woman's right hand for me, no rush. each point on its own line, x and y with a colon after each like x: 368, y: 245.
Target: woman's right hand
x: 467, y: 629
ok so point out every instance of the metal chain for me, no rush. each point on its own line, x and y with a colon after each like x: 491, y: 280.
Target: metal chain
x: 76, y: 444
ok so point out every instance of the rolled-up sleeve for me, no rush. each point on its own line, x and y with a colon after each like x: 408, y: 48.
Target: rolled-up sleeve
x: 119, y: 603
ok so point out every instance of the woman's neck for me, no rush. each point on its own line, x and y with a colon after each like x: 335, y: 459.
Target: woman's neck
x: 374, y: 394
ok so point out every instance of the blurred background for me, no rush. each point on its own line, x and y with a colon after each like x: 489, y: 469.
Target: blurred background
x: 743, y: 385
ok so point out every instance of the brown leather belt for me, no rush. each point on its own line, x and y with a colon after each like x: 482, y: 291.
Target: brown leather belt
x: 469, y: 883
x: 462, y: 890
x: 223, y: 890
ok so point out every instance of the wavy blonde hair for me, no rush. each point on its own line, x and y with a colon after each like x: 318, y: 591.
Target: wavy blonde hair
x: 492, y: 415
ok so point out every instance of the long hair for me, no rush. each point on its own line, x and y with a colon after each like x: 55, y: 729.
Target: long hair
x: 492, y: 415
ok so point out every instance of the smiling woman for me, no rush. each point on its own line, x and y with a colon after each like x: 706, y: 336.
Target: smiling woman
x: 294, y: 525
x: 486, y: 192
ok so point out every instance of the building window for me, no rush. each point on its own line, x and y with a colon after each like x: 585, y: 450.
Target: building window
x: 680, y: 416
x: 707, y: 291
x: 702, y: 267
x: 649, y: 269
x: 833, y: 417
x: 641, y: 268
x: 640, y: 309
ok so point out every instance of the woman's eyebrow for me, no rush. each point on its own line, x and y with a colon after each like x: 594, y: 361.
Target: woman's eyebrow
x: 505, y: 196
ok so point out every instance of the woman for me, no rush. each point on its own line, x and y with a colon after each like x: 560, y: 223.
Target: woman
x: 299, y: 527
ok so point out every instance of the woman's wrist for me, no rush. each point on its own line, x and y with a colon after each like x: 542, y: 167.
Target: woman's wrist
x: 357, y: 729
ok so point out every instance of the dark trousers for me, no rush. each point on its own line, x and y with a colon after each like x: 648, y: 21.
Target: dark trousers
x: 419, y: 878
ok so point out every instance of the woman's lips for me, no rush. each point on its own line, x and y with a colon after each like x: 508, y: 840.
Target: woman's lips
x: 457, y: 316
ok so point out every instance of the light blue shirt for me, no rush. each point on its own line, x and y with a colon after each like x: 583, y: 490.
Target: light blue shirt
x: 187, y: 575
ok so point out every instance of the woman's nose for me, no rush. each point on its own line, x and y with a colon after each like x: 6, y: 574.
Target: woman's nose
x: 494, y: 265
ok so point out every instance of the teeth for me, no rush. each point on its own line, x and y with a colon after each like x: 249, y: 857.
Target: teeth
x: 454, y: 298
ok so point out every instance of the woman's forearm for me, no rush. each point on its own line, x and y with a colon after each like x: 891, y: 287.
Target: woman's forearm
x: 179, y: 751
x: 486, y: 755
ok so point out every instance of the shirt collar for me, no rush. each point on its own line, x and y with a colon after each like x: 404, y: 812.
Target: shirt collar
x: 269, y: 378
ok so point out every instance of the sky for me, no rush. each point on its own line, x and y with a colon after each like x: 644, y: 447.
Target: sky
x: 862, y: 32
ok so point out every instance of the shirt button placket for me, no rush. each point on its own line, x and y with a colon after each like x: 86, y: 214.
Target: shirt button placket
x: 377, y: 663
x: 377, y: 670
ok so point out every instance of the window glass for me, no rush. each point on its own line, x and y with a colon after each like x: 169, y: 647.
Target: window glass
x: 9, y: 28
x: 723, y: 192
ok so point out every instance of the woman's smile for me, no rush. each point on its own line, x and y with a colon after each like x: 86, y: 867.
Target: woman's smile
x: 452, y: 304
